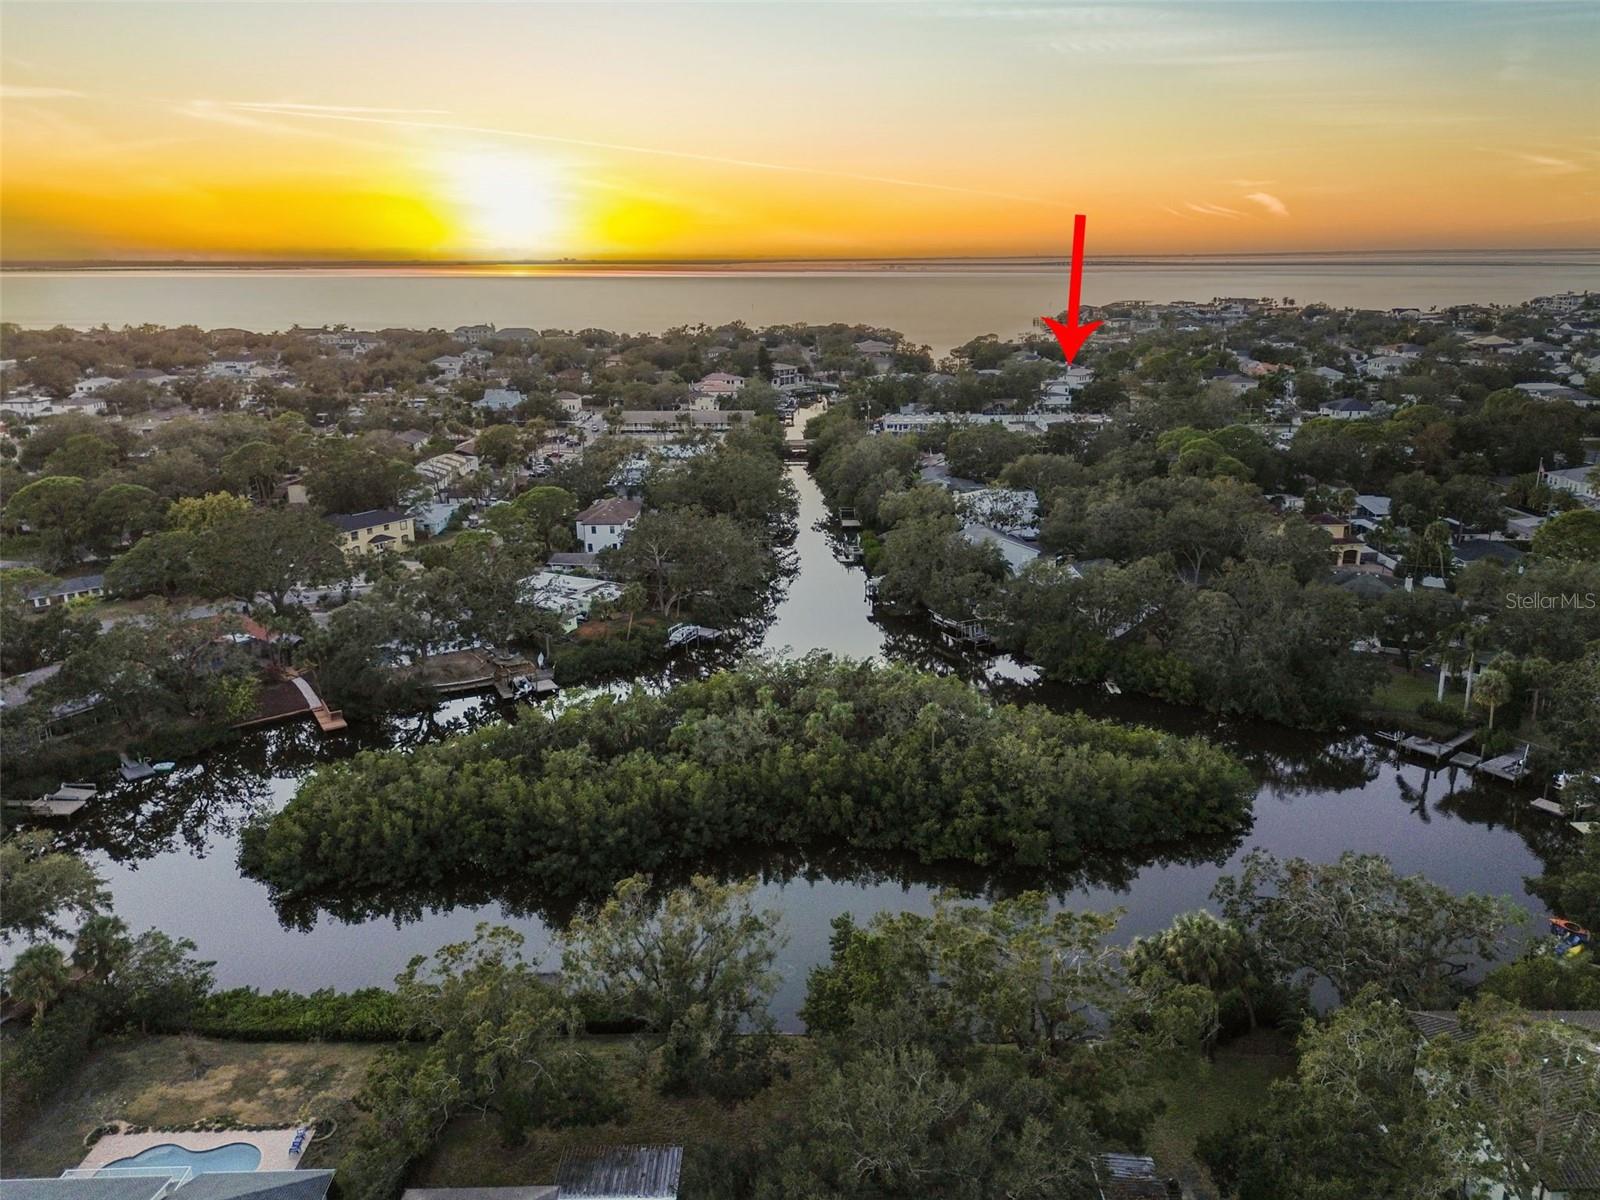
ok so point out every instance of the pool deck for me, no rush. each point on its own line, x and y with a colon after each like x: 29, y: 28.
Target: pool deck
x: 273, y: 1144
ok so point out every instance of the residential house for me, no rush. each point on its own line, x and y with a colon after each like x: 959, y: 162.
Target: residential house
x: 1348, y: 548
x: 879, y: 353
x: 1386, y: 366
x: 570, y: 595
x: 471, y: 335
x: 1345, y: 410
x: 500, y: 401
x: 444, y: 471
x: 1470, y: 550
x: 661, y: 425
x: 1060, y: 391
x: 65, y: 591
x: 178, y: 1183
x: 448, y: 366
x: 718, y: 385
x: 1580, y: 481
x: 1017, y: 552
x: 375, y: 529
x: 237, y: 366
x: 1132, y: 1177
x: 785, y: 374
x: 593, y: 1173
x: 1561, y: 302
x: 1557, y: 391
x: 1373, y: 508
x: 604, y: 524
x: 413, y: 438
x: 571, y: 403
x: 1566, y: 1089
x: 1493, y: 344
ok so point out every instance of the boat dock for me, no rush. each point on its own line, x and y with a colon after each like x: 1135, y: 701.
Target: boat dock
x: 1429, y: 748
x: 63, y: 802
x: 459, y: 672
x: 294, y: 695
x: 1513, y: 768
x: 848, y: 519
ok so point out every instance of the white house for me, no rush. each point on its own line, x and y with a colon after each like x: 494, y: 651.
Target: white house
x: 1345, y: 410
x: 1386, y: 366
x: 603, y: 525
x: 570, y: 595
x: 785, y: 374
x: 1060, y: 391
x: 1580, y: 481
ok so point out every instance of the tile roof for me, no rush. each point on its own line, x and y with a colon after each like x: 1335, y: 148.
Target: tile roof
x: 351, y: 522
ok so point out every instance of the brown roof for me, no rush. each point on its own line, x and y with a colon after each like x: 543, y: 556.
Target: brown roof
x: 610, y: 511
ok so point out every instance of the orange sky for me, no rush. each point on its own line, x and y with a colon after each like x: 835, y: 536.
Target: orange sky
x: 455, y: 130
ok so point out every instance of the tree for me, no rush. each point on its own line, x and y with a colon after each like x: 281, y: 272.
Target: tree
x: 157, y: 982
x: 1356, y: 922
x: 1492, y: 689
x: 38, y: 977
x: 500, y: 445
x: 541, y: 517
x: 695, y: 967
x: 160, y: 564
x: 42, y: 885
x: 100, y: 945
x: 254, y: 469
x: 1356, y: 1120
x: 1197, y: 948
x: 349, y: 475
x: 56, y: 508
x: 125, y: 511
x: 1571, y: 884
x: 270, y: 552
x: 711, y: 564
x: 1573, y: 536
x: 198, y: 514
x: 85, y: 455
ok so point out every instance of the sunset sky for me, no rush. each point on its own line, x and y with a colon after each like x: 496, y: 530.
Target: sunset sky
x: 229, y: 131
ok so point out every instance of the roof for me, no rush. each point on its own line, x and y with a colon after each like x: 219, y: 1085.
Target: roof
x: 500, y: 399
x: 351, y: 522
x: 532, y: 1191
x: 77, y: 583
x: 1128, y: 1177
x: 620, y: 1171
x: 1473, y: 549
x: 611, y: 511
x: 221, y: 1185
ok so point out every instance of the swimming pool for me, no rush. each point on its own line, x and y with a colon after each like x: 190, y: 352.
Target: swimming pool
x: 235, y: 1156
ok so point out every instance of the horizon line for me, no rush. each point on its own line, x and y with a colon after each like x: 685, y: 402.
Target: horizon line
x: 111, y: 264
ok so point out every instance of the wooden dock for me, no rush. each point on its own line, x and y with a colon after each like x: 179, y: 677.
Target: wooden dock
x: 461, y: 672
x: 1429, y: 748
x: 848, y: 519
x: 1513, y: 768
x: 63, y: 802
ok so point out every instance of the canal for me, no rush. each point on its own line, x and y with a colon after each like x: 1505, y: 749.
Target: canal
x: 168, y: 847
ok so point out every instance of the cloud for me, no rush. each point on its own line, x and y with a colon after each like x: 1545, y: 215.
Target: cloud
x: 18, y: 91
x: 1269, y: 202
x: 251, y: 111
x: 1213, y: 210
x: 1252, y: 183
x: 359, y: 109
x: 1547, y: 164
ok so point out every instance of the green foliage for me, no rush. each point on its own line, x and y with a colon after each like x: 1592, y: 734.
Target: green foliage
x: 1574, y: 535
x: 783, y: 754
x: 694, y: 968
x: 43, y: 886
x: 36, y: 1063
x: 1544, y: 981
x: 1571, y: 884
x: 244, y: 1014
x: 1356, y: 923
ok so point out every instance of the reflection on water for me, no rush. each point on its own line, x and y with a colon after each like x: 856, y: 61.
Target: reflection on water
x: 168, y: 847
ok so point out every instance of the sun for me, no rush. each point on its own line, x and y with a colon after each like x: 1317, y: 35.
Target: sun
x: 506, y: 203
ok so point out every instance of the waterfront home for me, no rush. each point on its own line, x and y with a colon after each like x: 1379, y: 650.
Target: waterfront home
x: 785, y: 374
x: 570, y: 595
x: 1373, y: 508
x: 375, y: 529
x: 180, y: 1183
x: 718, y: 384
x: 65, y: 591
x: 1017, y: 552
x: 471, y: 335
x: 593, y: 1173
x: 1060, y: 390
x: 604, y: 525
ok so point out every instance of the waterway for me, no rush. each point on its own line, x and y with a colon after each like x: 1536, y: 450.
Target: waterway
x: 168, y: 847
x: 938, y: 304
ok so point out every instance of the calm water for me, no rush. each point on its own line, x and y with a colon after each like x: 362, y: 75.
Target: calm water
x: 939, y: 305
x: 168, y: 847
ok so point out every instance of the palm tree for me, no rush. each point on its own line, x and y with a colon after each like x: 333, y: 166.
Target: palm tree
x: 1200, y: 949
x: 1493, y: 690
x: 101, y: 945
x: 38, y: 978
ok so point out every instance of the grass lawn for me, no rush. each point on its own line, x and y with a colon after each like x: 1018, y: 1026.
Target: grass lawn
x: 163, y: 1080
x: 470, y: 1153
x: 1395, y: 701
x: 1234, y: 1084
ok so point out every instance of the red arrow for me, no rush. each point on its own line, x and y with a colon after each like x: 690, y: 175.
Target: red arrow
x: 1070, y: 334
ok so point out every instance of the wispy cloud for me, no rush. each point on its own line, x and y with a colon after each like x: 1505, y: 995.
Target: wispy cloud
x: 337, y: 109
x: 19, y: 91
x: 249, y: 111
x: 1252, y: 183
x: 1269, y: 202
x: 1213, y: 210
x: 1548, y: 164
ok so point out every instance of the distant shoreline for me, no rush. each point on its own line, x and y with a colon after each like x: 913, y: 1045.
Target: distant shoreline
x: 1388, y: 259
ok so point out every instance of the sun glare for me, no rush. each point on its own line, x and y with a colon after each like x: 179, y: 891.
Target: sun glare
x: 507, y: 203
